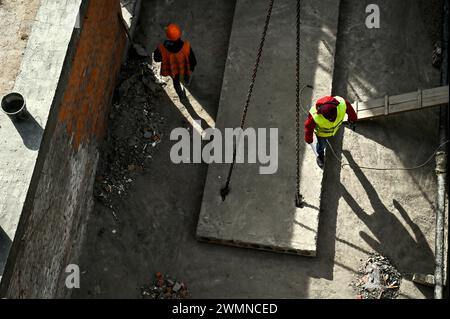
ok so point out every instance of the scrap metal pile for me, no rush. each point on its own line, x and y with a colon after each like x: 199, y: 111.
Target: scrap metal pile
x: 377, y: 279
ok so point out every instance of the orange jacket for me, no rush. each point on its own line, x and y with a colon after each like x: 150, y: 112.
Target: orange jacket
x: 173, y: 64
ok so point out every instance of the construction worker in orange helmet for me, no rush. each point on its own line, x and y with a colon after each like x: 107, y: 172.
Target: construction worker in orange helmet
x: 177, y: 58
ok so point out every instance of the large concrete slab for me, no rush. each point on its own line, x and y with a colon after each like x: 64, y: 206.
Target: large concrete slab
x: 260, y: 210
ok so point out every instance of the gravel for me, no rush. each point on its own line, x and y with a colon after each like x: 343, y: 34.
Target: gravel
x: 133, y: 132
x: 164, y: 287
x: 377, y: 279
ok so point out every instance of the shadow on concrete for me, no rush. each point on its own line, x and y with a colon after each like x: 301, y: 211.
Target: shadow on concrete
x: 369, y: 64
x: 391, y: 238
x: 30, y: 131
x: 5, y: 245
x: 326, y: 245
x: 412, y: 146
x: 395, y: 67
x: 193, y: 113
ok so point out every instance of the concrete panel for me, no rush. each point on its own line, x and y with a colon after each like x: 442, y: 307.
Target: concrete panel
x: 260, y: 210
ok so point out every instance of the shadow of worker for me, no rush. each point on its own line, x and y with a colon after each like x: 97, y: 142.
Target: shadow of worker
x: 411, y: 254
x: 193, y: 113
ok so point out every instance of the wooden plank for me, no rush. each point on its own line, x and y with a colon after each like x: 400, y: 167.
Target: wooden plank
x: 386, y: 105
x: 435, y: 97
x: 403, y: 103
x: 371, y: 104
x: 370, y: 113
x: 420, y: 98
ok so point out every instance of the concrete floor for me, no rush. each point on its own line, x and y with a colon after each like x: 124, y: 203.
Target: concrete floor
x: 362, y: 211
x: 16, y: 19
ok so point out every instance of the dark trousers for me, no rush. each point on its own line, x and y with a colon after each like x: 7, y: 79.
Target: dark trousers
x: 321, y: 145
x: 177, y: 84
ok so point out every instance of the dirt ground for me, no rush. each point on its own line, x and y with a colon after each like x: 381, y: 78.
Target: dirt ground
x: 153, y: 225
x: 16, y: 20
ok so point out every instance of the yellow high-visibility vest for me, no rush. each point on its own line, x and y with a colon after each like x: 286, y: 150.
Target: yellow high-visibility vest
x: 325, y: 128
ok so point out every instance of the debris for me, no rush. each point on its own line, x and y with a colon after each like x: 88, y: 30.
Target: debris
x: 377, y: 279
x: 134, y: 124
x: 437, y: 55
x: 140, y: 50
x: 177, y: 287
x: 148, y: 135
x: 97, y: 290
x: 164, y: 287
x: 115, y: 216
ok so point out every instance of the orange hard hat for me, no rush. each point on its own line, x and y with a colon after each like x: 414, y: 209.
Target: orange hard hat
x: 173, y: 32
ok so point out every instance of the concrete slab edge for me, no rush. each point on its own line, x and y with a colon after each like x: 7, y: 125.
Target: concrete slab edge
x: 269, y: 248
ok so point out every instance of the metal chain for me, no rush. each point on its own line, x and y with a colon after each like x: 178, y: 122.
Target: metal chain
x: 224, y: 191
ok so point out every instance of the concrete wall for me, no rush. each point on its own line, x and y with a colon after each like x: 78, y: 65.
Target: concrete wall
x: 60, y: 196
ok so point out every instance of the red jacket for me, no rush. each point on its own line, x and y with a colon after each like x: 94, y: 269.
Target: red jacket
x: 310, y: 125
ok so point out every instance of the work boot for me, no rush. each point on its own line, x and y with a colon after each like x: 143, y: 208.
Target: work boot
x: 321, y: 160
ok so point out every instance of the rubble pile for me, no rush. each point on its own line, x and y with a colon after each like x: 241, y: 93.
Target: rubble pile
x: 134, y: 130
x: 437, y: 55
x: 377, y: 279
x: 164, y: 287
